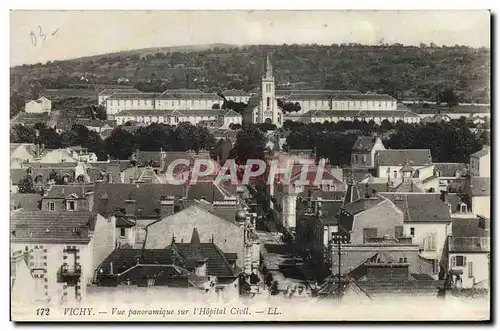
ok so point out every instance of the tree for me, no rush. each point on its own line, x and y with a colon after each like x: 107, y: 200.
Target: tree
x: 25, y: 185
x: 215, y: 106
x: 101, y: 113
x: 250, y: 144
x: 449, y: 97
x: 120, y: 144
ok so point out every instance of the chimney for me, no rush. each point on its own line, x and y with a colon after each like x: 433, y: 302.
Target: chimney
x: 225, y: 208
x: 111, y: 268
x: 109, y: 178
x: 166, y: 206
x: 130, y: 207
x: 42, y: 149
x: 90, y: 200
x: 443, y: 196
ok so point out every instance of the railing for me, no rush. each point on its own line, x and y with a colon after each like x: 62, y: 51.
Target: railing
x: 469, y: 244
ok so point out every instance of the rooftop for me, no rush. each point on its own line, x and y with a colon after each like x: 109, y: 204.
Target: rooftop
x: 400, y: 157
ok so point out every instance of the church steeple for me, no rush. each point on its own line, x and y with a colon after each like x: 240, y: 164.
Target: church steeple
x: 268, y: 69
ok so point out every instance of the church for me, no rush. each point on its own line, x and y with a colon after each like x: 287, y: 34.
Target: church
x: 263, y: 105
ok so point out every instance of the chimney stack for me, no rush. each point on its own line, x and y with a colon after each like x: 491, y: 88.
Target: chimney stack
x: 166, y: 206
x: 130, y: 207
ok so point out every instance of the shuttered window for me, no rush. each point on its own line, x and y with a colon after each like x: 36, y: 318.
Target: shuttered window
x: 369, y: 233
x: 471, y: 269
x: 458, y: 261
x: 398, y: 231
x: 430, y: 242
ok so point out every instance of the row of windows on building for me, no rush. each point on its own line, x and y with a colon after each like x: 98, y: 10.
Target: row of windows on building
x: 429, y: 241
x: 162, y: 103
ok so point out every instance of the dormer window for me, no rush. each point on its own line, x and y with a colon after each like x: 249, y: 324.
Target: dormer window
x: 52, y: 206
x: 438, y: 173
x: 457, y: 173
x: 463, y: 208
x: 71, y: 205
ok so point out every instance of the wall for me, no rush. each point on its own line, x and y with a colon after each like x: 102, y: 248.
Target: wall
x: 384, y: 216
x: 480, y: 268
x: 103, y: 242
x: 442, y: 230
x: 54, y: 261
x: 382, y: 172
x: 481, y: 205
x: 227, y: 236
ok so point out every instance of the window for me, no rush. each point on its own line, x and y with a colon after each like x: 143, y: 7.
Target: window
x: 438, y: 173
x: 412, y: 231
x: 355, y: 158
x: 122, y: 232
x: 369, y: 233
x: 364, y: 158
x: 435, y: 267
x: 398, y: 232
x: 268, y: 102
x: 430, y: 242
x: 395, y: 174
x: 192, y: 102
x: 71, y: 205
x: 463, y: 208
x: 471, y: 270
x: 458, y: 261
x: 52, y: 206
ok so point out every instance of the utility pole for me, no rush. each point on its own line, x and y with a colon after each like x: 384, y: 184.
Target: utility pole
x: 338, y: 240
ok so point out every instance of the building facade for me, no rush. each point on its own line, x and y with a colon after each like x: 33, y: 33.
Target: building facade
x: 38, y: 106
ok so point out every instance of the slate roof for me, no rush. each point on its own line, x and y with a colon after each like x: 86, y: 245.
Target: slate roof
x: 25, y: 201
x: 450, y: 169
x: 17, y: 174
x: 420, y: 207
x: 147, y: 197
x: 364, y: 144
x: 364, y: 96
x: 217, y: 263
x: 368, y: 188
x: 400, y: 113
x: 66, y: 190
x: 51, y: 227
x: 187, y: 95
x: 469, y: 227
x: 354, y: 260
x: 409, y: 186
x: 205, y: 190
x: 124, y: 90
x: 480, y: 186
x: 125, y: 258
x: 362, y: 204
x: 399, y: 157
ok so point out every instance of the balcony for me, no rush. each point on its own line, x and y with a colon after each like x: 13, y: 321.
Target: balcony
x: 69, y: 274
x: 469, y: 244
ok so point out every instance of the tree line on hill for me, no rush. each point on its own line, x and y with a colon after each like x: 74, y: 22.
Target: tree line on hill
x: 405, y: 72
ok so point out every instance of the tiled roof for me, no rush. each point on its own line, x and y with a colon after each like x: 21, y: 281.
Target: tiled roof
x: 25, y: 201
x: 483, y: 152
x: 480, y: 186
x: 124, y: 90
x: 206, y: 191
x: 364, y: 144
x: 360, y: 113
x: 146, y: 196
x: 55, y: 227
x: 365, y: 96
x: 409, y: 186
x: 420, y: 207
x: 450, y: 169
x: 17, y: 174
x: 131, y: 96
x: 180, y: 113
x: 235, y: 93
x: 369, y: 188
x: 399, y: 157
x: 187, y: 95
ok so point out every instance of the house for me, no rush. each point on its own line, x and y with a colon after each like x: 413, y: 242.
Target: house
x: 236, y: 95
x: 448, y: 173
x: 467, y: 253
x: 191, y: 264
x: 221, y: 118
x: 25, y: 152
x: 132, y: 207
x: 363, y: 151
x: 103, y: 95
x: 186, y: 99
x: 43, y: 175
x: 58, y: 248
x: 480, y: 163
x: 427, y: 220
x: 390, y: 163
x: 479, y: 192
x: 231, y: 236
x: 38, y: 106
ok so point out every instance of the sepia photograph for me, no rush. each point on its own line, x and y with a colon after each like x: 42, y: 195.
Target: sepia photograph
x: 250, y: 166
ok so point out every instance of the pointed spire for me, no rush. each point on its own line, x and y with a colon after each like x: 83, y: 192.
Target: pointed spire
x: 352, y: 193
x: 195, y: 238
x: 268, y: 68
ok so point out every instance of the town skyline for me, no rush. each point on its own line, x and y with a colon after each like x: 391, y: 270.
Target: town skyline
x: 41, y: 36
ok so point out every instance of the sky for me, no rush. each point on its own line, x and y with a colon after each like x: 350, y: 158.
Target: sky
x: 40, y: 36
